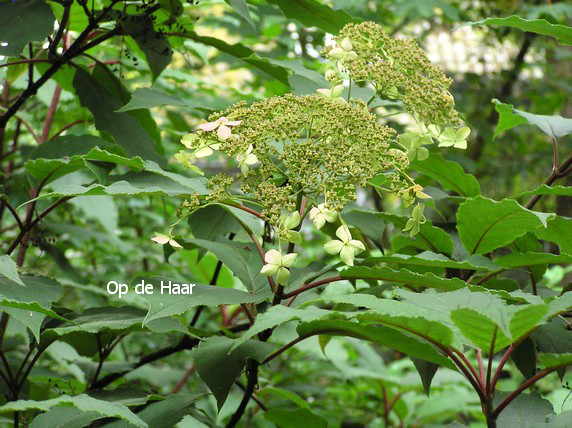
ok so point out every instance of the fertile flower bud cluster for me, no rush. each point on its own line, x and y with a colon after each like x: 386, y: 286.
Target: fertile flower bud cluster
x: 397, y: 68
x: 311, y: 144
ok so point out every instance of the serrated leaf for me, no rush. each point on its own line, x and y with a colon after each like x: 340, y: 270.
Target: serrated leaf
x: 562, y: 33
x: 429, y: 237
x: 312, y: 13
x: 278, y: 315
x: 431, y: 259
x: 39, y: 24
x: 558, y: 231
x: 9, y: 269
x: 485, y: 225
x: 82, y: 402
x: 219, y: 363
x: 400, y: 315
x: 385, y: 336
x: 403, y: 276
x: 288, y: 418
x: 449, y: 174
x: 165, y: 305
x: 515, y: 260
x: 546, y: 190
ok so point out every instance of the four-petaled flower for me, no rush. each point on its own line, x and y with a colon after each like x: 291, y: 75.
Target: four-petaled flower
x: 334, y: 93
x: 203, y: 148
x: 222, y: 125
x: 159, y: 238
x: 246, y: 160
x: 287, y: 224
x: 320, y: 215
x: 454, y: 137
x: 277, y: 264
x: 187, y: 160
x: 347, y: 247
x: 344, y: 51
x: 414, y: 141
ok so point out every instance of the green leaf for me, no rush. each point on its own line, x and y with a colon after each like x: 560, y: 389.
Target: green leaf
x: 287, y: 418
x: 403, y: 276
x: 562, y: 33
x: 126, y: 129
x: 449, y: 174
x: 278, y: 315
x: 41, y: 167
x: 485, y: 225
x: 9, y: 269
x: 482, y: 327
x: 367, y: 222
x: 386, y: 336
x: 515, y: 260
x: 165, y: 305
x: 144, y: 183
x: 222, y: 220
x: 429, y: 237
x: 241, y: 8
x: 218, y: 364
x: 243, y: 53
x: 154, y: 45
x: 286, y: 394
x: 524, y: 358
x: 30, y: 304
x: 554, y: 126
x: 163, y: 413
x: 552, y: 361
x: 426, y: 372
x: 526, y: 410
x: 82, y: 402
x: 558, y: 231
x: 144, y: 98
x: 431, y: 259
x: 23, y: 22
x: 553, y: 337
x: 312, y: 13
x: 546, y: 190
x: 400, y: 315
x: 241, y: 258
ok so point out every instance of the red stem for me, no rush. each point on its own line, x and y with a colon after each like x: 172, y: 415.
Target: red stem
x: 307, y: 287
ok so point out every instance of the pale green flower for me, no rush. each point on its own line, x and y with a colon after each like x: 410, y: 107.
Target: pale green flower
x: 454, y: 137
x: 320, y: 215
x: 202, y: 147
x: 222, y: 125
x: 347, y: 247
x: 414, y: 142
x: 161, y: 239
x: 246, y: 160
x: 417, y: 219
x: 334, y: 93
x: 188, y: 160
x: 277, y: 264
x: 285, y: 226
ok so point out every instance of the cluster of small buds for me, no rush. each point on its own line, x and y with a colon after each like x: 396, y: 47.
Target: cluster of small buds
x: 397, y: 68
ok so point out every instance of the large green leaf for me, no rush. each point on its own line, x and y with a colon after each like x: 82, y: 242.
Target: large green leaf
x: 558, y: 231
x: 144, y: 98
x: 163, y: 413
x: 400, y: 315
x: 23, y: 22
x: 82, y: 402
x: 526, y: 410
x: 429, y: 237
x: 562, y: 33
x: 431, y: 259
x: 485, y: 225
x: 242, y: 259
x: 30, y: 304
x: 554, y: 126
x: 515, y: 260
x: 9, y: 270
x: 219, y: 364
x: 126, y: 129
x: 278, y: 315
x: 403, y: 277
x: 294, y: 418
x: 312, y: 13
x: 449, y: 174
x: 546, y: 190
x: 165, y: 305
x: 552, y: 361
x: 386, y: 336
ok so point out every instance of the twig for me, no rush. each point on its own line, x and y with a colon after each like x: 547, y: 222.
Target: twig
x: 562, y: 171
